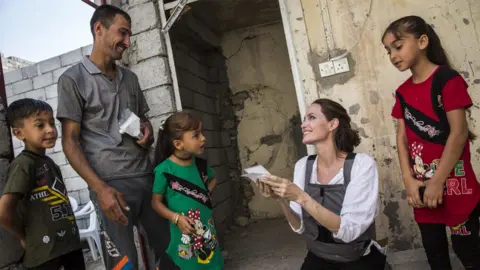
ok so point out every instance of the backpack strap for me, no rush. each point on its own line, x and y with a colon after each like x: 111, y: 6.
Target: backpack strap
x: 202, y: 170
x: 347, y: 168
x: 443, y: 75
x: 309, y: 167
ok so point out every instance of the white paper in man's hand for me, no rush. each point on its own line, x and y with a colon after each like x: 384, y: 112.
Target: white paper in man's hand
x: 256, y: 172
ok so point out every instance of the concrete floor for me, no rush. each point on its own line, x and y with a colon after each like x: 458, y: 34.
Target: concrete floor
x: 271, y: 245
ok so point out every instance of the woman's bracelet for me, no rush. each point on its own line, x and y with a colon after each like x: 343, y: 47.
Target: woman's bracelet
x: 175, y: 219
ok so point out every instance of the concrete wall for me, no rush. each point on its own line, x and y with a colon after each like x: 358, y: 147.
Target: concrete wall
x: 202, y: 86
x: 265, y: 105
x: 9, y: 244
x: 39, y: 81
x: 367, y: 90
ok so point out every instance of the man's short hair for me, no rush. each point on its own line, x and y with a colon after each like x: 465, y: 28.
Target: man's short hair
x: 105, y: 14
x: 24, y: 108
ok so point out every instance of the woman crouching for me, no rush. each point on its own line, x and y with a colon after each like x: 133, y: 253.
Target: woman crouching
x: 334, y: 194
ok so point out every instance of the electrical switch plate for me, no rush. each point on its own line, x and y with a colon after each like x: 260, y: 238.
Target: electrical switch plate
x: 341, y: 65
x: 326, y: 69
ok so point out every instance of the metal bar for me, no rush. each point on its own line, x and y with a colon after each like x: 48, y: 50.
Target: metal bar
x: 173, y: 4
x: 3, y: 95
x: 90, y: 3
x: 293, y: 62
x: 171, y: 61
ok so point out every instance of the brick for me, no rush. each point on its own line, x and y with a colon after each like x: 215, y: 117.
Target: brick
x: 22, y: 86
x: 223, y: 211
x: 153, y: 72
x: 50, y: 64
x: 222, y: 191
x: 51, y: 91
x: 68, y: 171
x: 58, y: 146
x: 186, y: 96
x: 207, y: 121
x: 87, y: 50
x: 30, y: 71
x: 42, y: 80
x: 84, y: 196
x: 75, y: 183
x: 213, y: 138
x: 15, y: 97
x: 53, y: 102
x: 213, y: 74
x: 59, y: 158
x: 160, y: 100
x: 148, y: 44
x: 13, y: 76
x: 57, y: 73
x: 9, y: 90
x: 226, y: 140
x: 36, y: 94
x: 222, y: 75
x: 232, y: 156
x: 143, y: 17
x: 215, y: 156
x: 71, y: 57
x: 157, y: 122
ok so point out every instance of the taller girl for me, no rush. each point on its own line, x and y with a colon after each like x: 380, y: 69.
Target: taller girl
x: 432, y: 140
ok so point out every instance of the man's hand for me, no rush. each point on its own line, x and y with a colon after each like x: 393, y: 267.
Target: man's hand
x: 147, y: 131
x: 111, y: 203
x: 433, y: 193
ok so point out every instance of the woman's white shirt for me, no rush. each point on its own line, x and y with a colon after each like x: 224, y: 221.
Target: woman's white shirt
x: 360, y: 205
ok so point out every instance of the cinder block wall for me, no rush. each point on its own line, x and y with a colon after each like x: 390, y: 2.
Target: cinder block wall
x: 204, y: 90
x: 39, y: 81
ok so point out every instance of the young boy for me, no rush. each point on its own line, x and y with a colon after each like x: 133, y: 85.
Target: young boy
x: 43, y: 221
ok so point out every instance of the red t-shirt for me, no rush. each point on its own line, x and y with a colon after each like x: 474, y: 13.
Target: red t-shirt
x: 463, y: 191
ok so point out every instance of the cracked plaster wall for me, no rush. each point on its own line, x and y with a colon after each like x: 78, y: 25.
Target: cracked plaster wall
x: 265, y: 104
x: 367, y: 90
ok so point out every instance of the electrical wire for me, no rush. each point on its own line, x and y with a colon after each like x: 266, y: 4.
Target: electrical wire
x: 359, y: 36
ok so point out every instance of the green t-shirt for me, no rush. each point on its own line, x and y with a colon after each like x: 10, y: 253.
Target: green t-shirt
x: 50, y: 227
x: 185, y: 193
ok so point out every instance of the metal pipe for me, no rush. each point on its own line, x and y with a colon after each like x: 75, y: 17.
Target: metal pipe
x: 171, y: 61
x: 92, y: 4
x: 173, y: 4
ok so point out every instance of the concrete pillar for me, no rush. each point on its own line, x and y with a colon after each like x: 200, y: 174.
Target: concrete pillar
x: 10, y: 247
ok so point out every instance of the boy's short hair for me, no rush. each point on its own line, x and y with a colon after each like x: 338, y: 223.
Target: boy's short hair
x: 24, y: 108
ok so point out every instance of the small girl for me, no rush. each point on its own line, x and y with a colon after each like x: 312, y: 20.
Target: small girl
x: 433, y: 143
x: 181, y: 194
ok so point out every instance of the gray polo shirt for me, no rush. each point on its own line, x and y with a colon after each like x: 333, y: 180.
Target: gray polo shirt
x: 87, y: 96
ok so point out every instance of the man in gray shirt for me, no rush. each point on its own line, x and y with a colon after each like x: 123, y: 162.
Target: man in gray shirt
x: 91, y: 97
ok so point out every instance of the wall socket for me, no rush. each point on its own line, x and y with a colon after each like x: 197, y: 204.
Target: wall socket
x: 341, y: 65
x: 326, y: 69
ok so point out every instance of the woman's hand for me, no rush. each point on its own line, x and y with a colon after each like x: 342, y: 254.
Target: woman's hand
x: 412, y: 186
x: 433, y: 195
x: 266, y: 190
x: 283, y: 188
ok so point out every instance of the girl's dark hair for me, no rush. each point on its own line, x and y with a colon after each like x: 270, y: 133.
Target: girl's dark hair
x: 345, y: 137
x: 173, y: 129
x: 417, y: 27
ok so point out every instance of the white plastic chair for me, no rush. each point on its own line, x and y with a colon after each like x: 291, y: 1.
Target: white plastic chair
x: 92, y: 233
x: 73, y: 203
